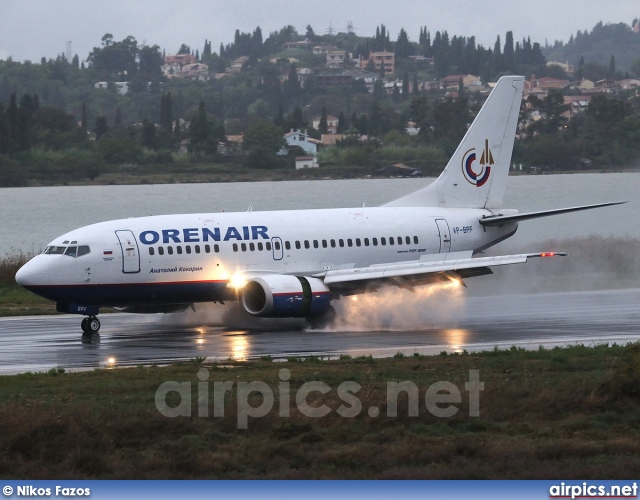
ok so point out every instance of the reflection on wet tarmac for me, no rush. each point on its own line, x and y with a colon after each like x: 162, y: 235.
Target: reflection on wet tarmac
x: 40, y: 343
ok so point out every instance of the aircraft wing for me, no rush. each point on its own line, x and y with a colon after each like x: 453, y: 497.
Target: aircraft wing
x: 410, y: 274
x: 498, y: 220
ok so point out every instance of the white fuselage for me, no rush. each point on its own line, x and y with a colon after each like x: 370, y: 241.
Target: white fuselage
x: 192, y: 258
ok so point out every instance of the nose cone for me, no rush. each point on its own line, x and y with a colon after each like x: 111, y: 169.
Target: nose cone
x: 32, y: 274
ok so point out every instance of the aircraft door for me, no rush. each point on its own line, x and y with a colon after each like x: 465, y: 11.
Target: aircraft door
x: 278, y: 251
x: 445, y: 235
x: 130, y: 251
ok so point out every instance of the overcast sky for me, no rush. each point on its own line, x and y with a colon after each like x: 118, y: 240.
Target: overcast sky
x: 31, y: 29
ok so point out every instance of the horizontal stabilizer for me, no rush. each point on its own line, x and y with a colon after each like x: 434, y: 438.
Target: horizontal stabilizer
x: 498, y: 220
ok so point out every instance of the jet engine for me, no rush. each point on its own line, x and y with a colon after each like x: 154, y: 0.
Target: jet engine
x: 282, y: 296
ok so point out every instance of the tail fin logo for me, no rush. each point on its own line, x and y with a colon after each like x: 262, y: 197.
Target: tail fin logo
x: 479, y: 178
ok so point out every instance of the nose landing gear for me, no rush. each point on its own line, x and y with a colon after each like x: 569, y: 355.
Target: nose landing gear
x: 90, y: 324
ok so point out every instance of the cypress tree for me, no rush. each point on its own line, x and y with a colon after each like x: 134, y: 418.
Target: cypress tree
x: 12, y: 121
x: 5, y: 143
x: 322, y: 126
x: 83, y: 119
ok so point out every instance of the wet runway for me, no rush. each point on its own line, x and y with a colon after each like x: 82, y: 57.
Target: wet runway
x: 595, y: 317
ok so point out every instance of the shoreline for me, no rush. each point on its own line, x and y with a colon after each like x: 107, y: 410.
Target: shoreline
x: 197, y: 176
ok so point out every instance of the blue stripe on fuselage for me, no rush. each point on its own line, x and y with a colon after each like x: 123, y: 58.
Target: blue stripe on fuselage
x: 120, y: 295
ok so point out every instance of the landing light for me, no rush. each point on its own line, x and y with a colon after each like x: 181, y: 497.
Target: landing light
x: 111, y: 361
x: 237, y: 281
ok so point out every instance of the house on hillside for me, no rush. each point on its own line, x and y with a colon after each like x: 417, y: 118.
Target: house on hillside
x: 453, y: 81
x: 386, y: 59
x: 336, y: 58
x: 304, y: 44
x: 300, y: 139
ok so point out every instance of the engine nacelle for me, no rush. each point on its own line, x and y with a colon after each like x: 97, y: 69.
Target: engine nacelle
x: 282, y: 296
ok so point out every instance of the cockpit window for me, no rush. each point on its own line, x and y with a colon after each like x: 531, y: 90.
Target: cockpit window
x: 54, y: 250
x: 71, y: 251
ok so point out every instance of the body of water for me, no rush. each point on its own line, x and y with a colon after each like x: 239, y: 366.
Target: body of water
x: 31, y: 217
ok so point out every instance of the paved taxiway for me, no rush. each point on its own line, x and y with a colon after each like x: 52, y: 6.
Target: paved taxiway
x: 594, y: 317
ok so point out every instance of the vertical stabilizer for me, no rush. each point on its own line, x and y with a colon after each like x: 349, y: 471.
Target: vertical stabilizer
x: 476, y: 175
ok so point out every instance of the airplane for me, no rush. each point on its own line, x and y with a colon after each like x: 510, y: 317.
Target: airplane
x: 294, y: 263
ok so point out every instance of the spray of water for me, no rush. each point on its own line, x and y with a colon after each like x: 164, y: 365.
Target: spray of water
x: 594, y: 263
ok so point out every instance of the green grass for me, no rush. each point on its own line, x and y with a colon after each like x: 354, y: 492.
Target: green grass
x: 15, y: 300
x: 570, y: 413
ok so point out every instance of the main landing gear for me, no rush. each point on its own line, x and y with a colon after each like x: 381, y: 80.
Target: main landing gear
x: 90, y: 325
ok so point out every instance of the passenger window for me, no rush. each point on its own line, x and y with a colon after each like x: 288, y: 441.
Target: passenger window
x: 277, y: 245
x: 306, y: 244
x: 151, y: 251
x: 235, y: 247
x: 392, y: 241
x: 298, y: 245
x: 216, y: 248
x: 170, y: 250
x: 243, y: 246
x: 207, y: 248
x: 188, y: 248
x: 287, y: 245
x: 333, y: 243
x: 83, y: 250
x: 383, y: 241
x: 374, y: 241
x: 399, y: 240
x: 179, y: 250
x: 324, y: 243
x: 357, y: 242
x: 197, y: 248
x: 160, y: 250
x: 252, y: 247
x: 341, y: 242
x: 71, y: 251
x: 315, y: 243
x: 268, y: 246
x: 366, y: 242
x: 260, y: 246
x: 407, y: 240
x: 350, y: 242
x: 415, y: 240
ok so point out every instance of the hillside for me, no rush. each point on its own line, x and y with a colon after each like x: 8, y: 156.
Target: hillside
x: 597, y: 46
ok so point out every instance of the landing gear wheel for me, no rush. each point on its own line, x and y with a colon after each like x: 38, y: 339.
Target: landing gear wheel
x: 90, y: 325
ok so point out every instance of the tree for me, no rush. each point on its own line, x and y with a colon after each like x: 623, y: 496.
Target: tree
x: 405, y: 85
x: 166, y: 113
x: 420, y: 115
x: 403, y: 47
x: 204, y: 134
x: 262, y: 141
x: 83, y: 119
x: 5, y: 143
x: 342, y: 123
x: 149, y: 138
x: 101, y: 127
x: 56, y: 130
x: 322, y: 126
